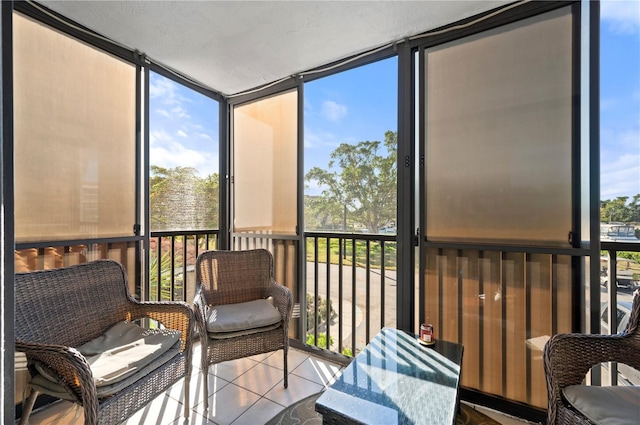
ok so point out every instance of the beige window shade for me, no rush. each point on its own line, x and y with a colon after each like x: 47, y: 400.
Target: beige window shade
x: 74, y: 138
x: 499, y: 134
x: 265, y: 165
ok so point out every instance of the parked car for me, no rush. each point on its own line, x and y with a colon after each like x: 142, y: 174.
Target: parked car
x: 624, y: 279
x: 623, y: 313
x: 627, y: 374
x: 389, y: 230
x: 618, y: 232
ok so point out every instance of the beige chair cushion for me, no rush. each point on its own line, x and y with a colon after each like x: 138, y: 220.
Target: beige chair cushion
x: 245, y: 332
x: 46, y: 386
x: 605, y: 405
x: 242, y: 317
x: 122, y: 351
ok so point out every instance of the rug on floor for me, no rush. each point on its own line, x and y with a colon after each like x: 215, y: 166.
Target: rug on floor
x: 303, y: 413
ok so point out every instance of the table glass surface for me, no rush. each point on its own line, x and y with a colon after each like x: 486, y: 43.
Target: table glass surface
x: 397, y: 380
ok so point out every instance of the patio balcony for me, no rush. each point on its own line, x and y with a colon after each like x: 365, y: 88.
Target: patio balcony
x: 356, y: 313
x: 246, y: 391
x: 494, y: 166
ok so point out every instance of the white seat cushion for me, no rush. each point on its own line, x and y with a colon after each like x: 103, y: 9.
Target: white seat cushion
x: 46, y: 386
x: 605, y: 405
x: 242, y: 316
x: 123, y: 350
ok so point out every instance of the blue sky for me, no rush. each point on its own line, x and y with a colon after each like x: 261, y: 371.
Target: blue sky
x: 350, y: 107
x: 183, y: 127
x: 361, y: 104
x: 620, y: 98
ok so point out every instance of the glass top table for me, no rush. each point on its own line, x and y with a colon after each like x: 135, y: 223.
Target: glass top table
x: 396, y: 380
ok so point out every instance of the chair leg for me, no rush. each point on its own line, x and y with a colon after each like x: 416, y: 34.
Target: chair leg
x: 27, y: 407
x: 204, y: 365
x: 286, y: 371
x: 187, y: 380
x: 205, y: 386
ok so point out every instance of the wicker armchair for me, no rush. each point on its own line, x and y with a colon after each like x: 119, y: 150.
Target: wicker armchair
x: 225, y: 280
x: 60, y: 309
x: 568, y: 358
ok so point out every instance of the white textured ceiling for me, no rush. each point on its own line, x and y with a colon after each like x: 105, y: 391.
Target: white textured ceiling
x: 232, y: 46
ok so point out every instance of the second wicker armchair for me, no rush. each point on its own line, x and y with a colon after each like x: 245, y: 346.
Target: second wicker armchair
x: 568, y: 358
x: 240, y: 309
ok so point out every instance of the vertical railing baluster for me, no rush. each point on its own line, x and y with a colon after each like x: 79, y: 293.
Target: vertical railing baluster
x: 612, y: 289
x: 368, y: 292
x: 353, y: 295
x: 382, y: 282
x: 159, y: 267
x: 315, y: 291
x: 184, y: 267
x: 173, y: 268
x: 328, y: 296
x: 340, y: 277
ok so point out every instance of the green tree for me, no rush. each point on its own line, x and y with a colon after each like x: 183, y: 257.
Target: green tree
x: 323, y: 213
x: 615, y: 210
x: 363, y: 180
x: 181, y: 200
x: 634, y: 209
x: 209, y: 192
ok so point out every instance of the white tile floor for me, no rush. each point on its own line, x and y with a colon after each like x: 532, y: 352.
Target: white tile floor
x: 248, y: 391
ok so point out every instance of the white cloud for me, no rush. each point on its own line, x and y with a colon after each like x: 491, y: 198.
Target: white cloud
x: 606, y: 104
x: 333, y: 111
x: 314, y: 139
x: 163, y: 112
x: 312, y: 188
x: 622, y: 16
x: 308, y: 107
x: 182, y: 134
x: 629, y: 139
x: 179, y: 112
x: 167, y: 152
x: 620, y: 177
x: 205, y: 136
x: 163, y: 88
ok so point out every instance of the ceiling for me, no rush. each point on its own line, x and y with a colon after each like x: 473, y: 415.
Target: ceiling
x: 233, y: 46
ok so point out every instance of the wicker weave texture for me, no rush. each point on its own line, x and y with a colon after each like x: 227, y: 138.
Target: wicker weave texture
x: 59, y: 309
x: 568, y: 358
x: 231, y: 277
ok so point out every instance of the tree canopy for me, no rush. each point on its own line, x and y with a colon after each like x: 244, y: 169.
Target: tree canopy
x: 358, y: 186
x: 181, y: 200
x: 618, y: 210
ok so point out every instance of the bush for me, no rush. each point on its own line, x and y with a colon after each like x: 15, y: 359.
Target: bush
x: 322, y: 311
x: 322, y: 340
x: 322, y: 343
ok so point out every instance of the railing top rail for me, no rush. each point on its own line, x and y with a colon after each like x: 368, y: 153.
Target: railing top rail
x: 73, y: 242
x: 621, y: 246
x: 346, y: 235
x: 168, y: 233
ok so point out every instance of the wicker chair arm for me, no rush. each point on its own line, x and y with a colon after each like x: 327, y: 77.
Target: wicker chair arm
x: 71, y: 367
x: 568, y: 358
x: 172, y: 314
x: 201, y: 309
x: 282, y: 299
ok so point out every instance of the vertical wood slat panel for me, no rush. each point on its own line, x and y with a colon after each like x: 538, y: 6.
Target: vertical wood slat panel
x: 526, y: 298
x: 449, y: 302
x: 284, y: 265
x: 468, y: 266
x: 563, y: 293
x: 490, y: 273
x: 539, y: 281
x: 514, y: 283
x: 291, y: 279
x: 431, y: 294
